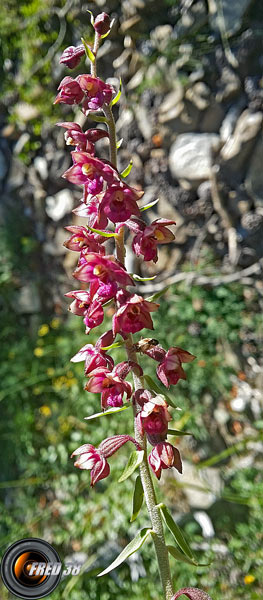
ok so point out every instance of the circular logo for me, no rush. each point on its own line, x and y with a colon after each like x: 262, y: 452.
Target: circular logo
x: 31, y: 568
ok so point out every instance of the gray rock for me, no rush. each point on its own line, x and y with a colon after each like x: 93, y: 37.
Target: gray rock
x: 254, y: 178
x: 227, y: 16
x: 237, y: 149
x: 190, y: 157
x: 41, y: 167
x: 27, y: 300
x: 200, y: 486
x: 26, y: 111
x: 59, y: 205
x: 229, y: 85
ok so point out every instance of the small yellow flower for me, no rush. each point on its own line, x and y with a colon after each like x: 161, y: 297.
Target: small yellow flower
x: 50, y: 371
x: 43, y: 330
x: 71, y: 382
x: 55, y: 323
x: 38, y: 352
x: 45, y: 410
x: 249, y: 579
x: 37, y: 390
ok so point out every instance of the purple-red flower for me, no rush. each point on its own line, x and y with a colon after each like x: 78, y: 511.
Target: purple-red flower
x: 89, y: 171
x: 104, y: 269
x: 154, y: 417
x: 170, y: 370
x: 102, y: 23
x: 95, y: 458
x: 72, y: 56
x: 91, y: 458
x: 82, y: 238
x: 94, y: 358
x: 119, y: 202
x: 96, y: 92
x: 145, y: 242
x: 164, y: 456
x: 70, y: 92
x: 84, y: 141
x: 84, y: 304
x: 90, y: 209
x: 133, y: 313
x: 111, y: 386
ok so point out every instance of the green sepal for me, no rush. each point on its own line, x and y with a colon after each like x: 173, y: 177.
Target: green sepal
x: 135, y: 459
x: 149, y: 205
x: 132, y: 547
x: 91, y: 17
x: 128, y: 169
x: 137, y: 500
x: 89, y: 52
x: 111, y: 411
x: 118, y: 95
x: 156, y: 388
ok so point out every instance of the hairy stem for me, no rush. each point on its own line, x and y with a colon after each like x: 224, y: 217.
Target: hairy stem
x: 149, y: 493
x: 93, y: 66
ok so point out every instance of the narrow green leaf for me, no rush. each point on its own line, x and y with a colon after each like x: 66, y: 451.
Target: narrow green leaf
x: 128, y: 169
x: 91, y: 17
x: 137, y: 500
x: 158, y: 294
x: 111, y: 411
x: 132, y: 547
x: 89, y: 52
x: 114, y: 345
x: 119, y: 143
x: 149, y: 205
x: 180, y: 556
x: 103, y: 233
x: 156, y: 388
x: 176, y: 531
x: 97, y: 118
x: 117, y: 97
x: 139, y: 278
x: 135, y: 459
x: 178, y: 432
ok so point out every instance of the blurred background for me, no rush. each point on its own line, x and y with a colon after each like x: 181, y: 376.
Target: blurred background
x: 191, y: 117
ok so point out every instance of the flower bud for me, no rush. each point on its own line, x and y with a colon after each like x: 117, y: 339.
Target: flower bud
x: 102, y: 23
x: 72, y: 56
x: 164, y: 456
x: 192, y: 594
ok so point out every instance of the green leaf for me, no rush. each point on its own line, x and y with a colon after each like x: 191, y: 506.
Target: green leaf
x: 158, y: 294
x: 91, y: 17
x: 137, y: 500
x: 117, y: 97
x: 176, y: 531
x: 128, y: 169
x: 180, y: 556
x: 139, y: 278
x: 132, y: 547
x: 97, y: 118
x: 156, y: 388
x: 134, y: 461
x: 89, y: 52
x: 103, y: 233
x: 149, y: 205
x: 111, y: 411
x: 119, y: 143
x: 178, y: 432
x: 114, y: 345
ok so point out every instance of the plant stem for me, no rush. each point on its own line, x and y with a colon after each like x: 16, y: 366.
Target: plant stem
x: 149, y: 493
x: 93, y: 66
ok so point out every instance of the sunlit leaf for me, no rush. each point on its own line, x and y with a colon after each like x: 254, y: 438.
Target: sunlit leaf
x: 139, y: 278
x: 91, y: 17
x: 114, y: 345
x: 180, y: 556
x: 158, y: 294
x: 137, y: 500
x: 132, y: 547
x: 117, y: 97
x: 149, y: 205
x: 103, y: 233
x: 178, y: 432
x: 128, y: 169
x: 89, y: 52
x: 119, y: 143
x: 97, y: 118
x: 176, y: 531
x: 135, y: 459
x: 111, y: 411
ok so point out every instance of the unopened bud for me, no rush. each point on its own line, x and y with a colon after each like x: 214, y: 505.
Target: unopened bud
x: 102, y: 23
